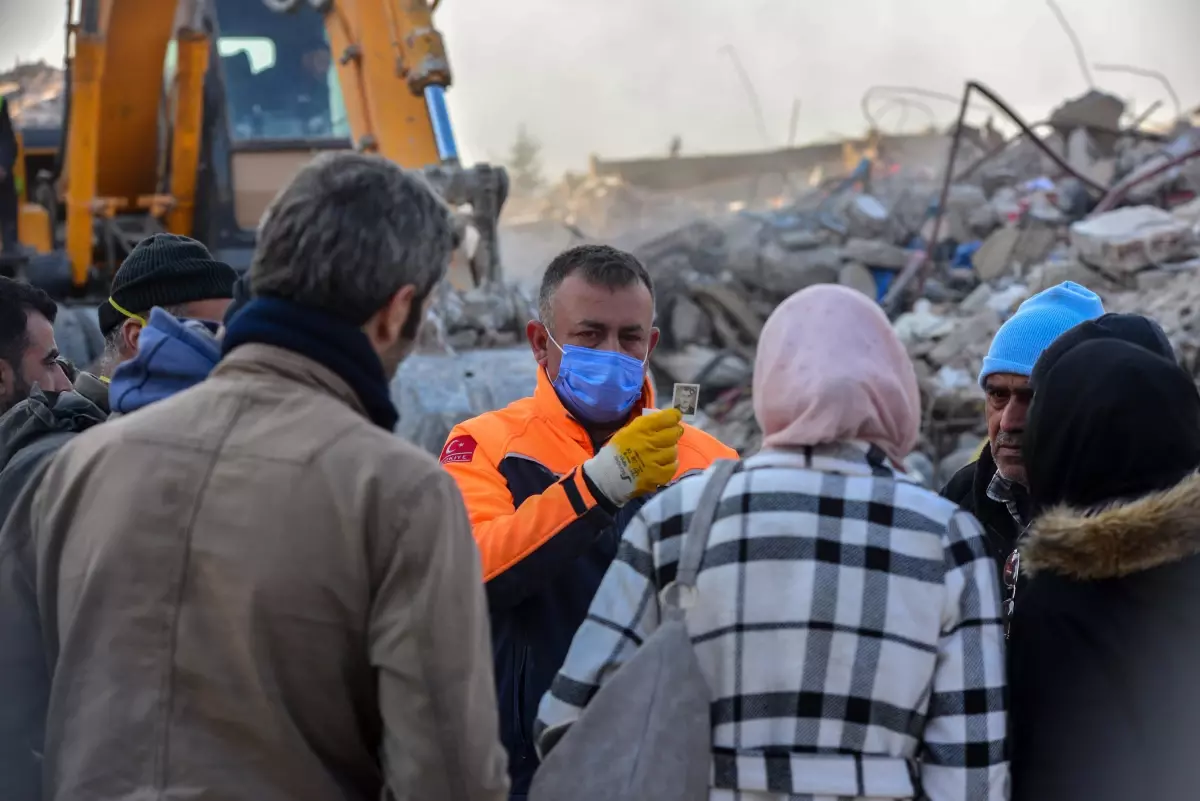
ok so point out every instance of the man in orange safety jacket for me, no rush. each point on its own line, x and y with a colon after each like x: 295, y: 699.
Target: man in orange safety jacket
x: 550, y: 481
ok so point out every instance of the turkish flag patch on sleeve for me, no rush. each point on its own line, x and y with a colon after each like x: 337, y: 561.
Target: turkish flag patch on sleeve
x: 459, y: 449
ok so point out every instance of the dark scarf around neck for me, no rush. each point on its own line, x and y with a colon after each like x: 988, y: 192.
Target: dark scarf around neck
x: 327, y: 340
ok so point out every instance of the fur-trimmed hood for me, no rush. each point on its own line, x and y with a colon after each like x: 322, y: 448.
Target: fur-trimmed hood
x: 1155, y: 530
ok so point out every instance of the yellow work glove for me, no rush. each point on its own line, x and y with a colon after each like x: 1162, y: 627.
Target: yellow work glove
x: 640, y: 458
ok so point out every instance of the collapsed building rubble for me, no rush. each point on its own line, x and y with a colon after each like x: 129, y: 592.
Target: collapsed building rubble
x: 1113, y: 208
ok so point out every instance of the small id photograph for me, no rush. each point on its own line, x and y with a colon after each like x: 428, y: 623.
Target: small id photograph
x: 686, y: 398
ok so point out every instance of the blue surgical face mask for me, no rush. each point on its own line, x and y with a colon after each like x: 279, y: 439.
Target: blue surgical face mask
x: 598, y: 386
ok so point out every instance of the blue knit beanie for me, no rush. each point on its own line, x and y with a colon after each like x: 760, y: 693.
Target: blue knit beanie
x: 1039, y: 321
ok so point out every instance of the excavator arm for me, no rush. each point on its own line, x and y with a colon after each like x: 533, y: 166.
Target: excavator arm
x: 394, y: 73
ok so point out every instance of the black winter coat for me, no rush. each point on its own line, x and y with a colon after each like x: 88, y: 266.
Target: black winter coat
x: 1104, y: 655
x: 30, y: 434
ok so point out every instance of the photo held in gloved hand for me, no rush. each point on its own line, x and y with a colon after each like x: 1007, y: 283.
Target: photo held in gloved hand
x: 639, y: 458
x: 686, y: 398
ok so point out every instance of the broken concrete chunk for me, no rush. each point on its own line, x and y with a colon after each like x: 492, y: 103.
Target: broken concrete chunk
x: 955, y: 346
x: 1034, y: 245
x: 977, y: 300
x: 688, y: 323
x: 874, y: 253
x: 800, y: 240
x: 1129, y: 239
x: 1189, y: 213
x: 983, y: 220
x: 1151, y: 280
x: 857, y: 276
x: 1042, y: 210
x: 700, y: 364
x: 994, y: 257
x: 867, y: 217
x: 782, y: 272
x: 1099, y: 112
x: 951, y: 379
x: 1006, y: 301
x: 922, y: 323
x: 1053, y: 273
x: 966, y: 197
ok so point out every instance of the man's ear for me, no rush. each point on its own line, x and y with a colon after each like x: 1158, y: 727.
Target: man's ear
x: 386, y: 327
x: 539, y: 340
x: 131, y: 332
x: 654, y: 335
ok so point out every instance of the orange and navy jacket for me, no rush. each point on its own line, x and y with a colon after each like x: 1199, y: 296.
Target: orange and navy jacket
x: 546, y: 537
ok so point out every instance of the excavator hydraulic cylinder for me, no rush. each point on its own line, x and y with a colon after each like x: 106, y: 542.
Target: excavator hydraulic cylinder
x: 443, y: 131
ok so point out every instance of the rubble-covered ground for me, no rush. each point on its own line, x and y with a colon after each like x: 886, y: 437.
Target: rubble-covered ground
x: 1015, y: 224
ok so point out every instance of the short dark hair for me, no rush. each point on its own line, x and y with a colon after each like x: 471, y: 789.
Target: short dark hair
x: 17, y: 299
x: 600, y: 265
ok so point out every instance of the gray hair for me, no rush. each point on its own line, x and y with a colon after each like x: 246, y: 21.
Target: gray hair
x: 350, y: 231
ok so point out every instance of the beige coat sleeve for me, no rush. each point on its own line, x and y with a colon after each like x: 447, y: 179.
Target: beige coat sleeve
x: 430, y: 641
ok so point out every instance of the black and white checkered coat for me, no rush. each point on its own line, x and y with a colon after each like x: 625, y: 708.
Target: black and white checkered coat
x: 848, y: 622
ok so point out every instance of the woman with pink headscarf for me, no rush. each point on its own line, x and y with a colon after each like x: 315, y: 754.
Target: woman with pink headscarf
x: 846, y: 619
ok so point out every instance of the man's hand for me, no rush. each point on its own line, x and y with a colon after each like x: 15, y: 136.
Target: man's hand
x: 639, y: 458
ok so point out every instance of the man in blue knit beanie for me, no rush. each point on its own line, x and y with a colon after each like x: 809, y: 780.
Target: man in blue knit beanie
x: 993, y: 487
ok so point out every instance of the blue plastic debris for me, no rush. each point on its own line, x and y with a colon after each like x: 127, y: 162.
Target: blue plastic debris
x: 883, y: 280
x: 964, y: 252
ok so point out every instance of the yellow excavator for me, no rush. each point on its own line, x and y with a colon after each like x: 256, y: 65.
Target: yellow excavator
x: 188, y: 116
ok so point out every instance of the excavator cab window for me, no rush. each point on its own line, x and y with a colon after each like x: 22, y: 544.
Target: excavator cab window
x: 279, y: 75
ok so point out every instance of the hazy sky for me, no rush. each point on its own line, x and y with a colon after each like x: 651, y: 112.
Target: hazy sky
x: 621, y: 77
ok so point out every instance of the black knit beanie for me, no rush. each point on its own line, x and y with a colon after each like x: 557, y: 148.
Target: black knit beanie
x: 165, y: 270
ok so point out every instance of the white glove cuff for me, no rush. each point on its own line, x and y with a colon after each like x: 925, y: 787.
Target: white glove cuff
x: 611, y: 475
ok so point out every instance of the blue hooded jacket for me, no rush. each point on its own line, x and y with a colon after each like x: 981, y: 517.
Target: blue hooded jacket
x: 172, y: 356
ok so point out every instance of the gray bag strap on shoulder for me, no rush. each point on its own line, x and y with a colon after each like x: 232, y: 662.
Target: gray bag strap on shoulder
x: 646, y: 735
x: 679, y: 595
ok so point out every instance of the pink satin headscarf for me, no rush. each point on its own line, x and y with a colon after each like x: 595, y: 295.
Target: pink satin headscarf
x: 829, y: 369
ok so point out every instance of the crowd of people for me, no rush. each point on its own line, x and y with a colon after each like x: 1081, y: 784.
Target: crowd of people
x: 223, y: 576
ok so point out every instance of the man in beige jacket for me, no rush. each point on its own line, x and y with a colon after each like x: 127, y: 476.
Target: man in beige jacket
x: 253, y: 589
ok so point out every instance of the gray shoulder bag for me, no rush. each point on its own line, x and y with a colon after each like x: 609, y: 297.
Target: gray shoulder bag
x: 646, y: 735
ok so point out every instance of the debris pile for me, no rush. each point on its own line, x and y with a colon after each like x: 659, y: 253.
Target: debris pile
x: 490, y: 316
x: 1124, y: 220
x: 35, y: 95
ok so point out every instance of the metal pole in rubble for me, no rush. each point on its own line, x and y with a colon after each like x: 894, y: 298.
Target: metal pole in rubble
x: 1145, y: 73
x: 917, y: 269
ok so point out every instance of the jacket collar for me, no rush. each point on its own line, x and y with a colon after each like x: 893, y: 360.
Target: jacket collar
x: 985, y: 474
x: 255, y: 359
x: 41, y: 414
x: 851, y: 458
x: 985, y: 471
x: 550, y: 408
x: 1118, y: 540
x: 94, y: 389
